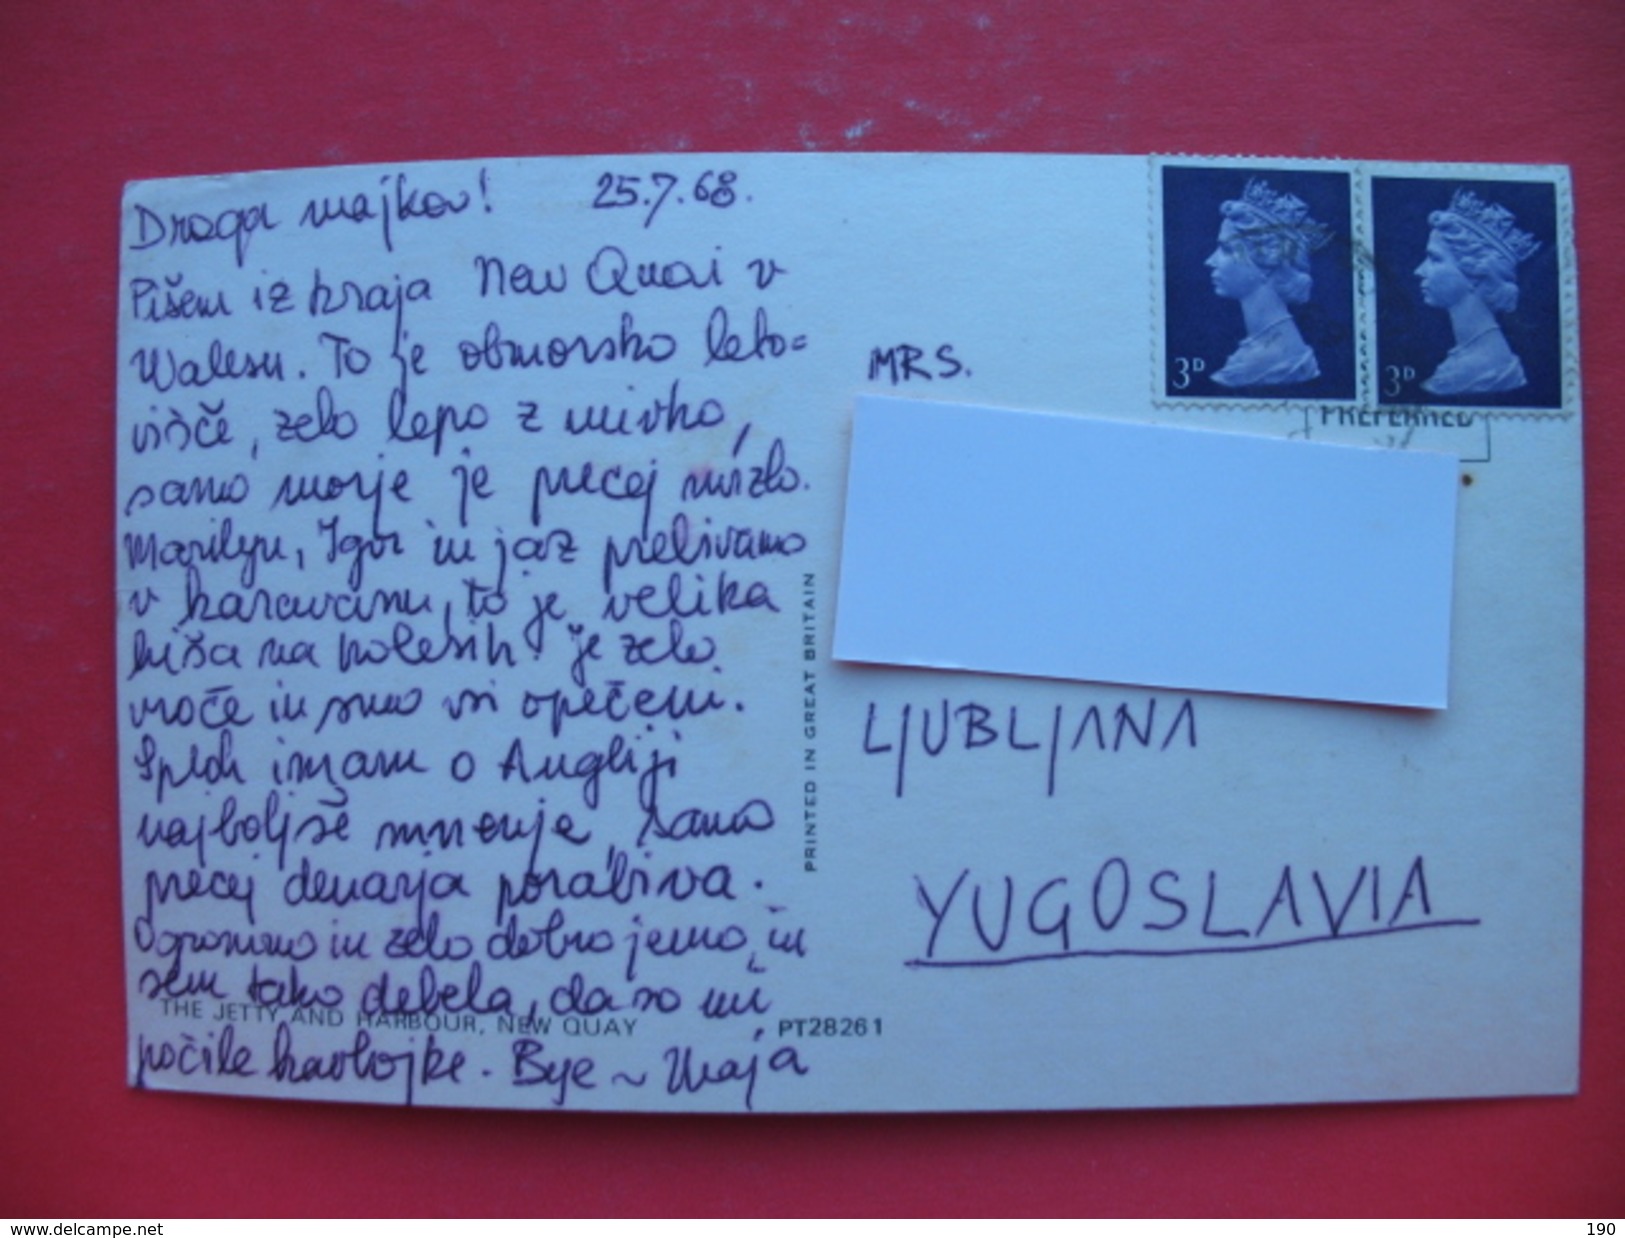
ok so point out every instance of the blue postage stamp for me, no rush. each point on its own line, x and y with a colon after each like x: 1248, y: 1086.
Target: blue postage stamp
x: 1257, y: 284
x: 1467, y: 283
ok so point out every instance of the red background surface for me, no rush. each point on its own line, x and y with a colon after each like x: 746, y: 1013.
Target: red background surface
x: 96, y: 93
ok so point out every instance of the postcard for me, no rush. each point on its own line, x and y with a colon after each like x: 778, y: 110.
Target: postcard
x: 793, y: 633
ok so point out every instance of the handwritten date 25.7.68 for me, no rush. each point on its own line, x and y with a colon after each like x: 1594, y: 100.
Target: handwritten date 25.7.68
x: 713, y: 187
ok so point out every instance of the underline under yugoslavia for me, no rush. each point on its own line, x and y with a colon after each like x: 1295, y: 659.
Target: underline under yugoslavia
x: 1138, y: 953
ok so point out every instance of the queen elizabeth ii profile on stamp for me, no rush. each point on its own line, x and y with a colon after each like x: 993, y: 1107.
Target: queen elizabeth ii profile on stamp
x: 1273, y: 241
x: 1471, y: 271
x: 1262, y: 261
x: 1467, y: 292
